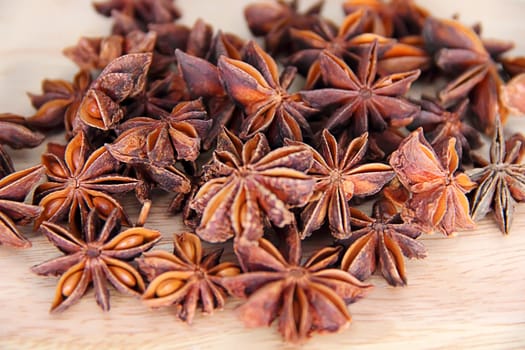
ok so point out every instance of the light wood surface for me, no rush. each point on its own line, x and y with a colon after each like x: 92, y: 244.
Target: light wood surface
x: 468, y: 293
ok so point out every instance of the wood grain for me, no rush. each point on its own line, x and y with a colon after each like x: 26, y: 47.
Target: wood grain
x: 469, y: 292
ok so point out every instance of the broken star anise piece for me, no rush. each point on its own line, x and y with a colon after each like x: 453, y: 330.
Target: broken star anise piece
x: 162, y: 141
x: 304, y: 298
x: 500, y: 181
x: 247, y: 183
x: 15, y: 134
x: 381, y: 241
x: 339, y: 176
x: 186, y: 278
x: 123, y: 78
x: 362, y: 100
x: 98, y: 258
x: 257, y: 87
x: 438, y: 199
x: 273, y: 20
x: 14, y: 189
x: 80, y: 181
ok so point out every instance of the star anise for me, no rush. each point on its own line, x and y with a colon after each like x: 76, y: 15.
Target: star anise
x: 512, y: 95
x: 186, y: 278
x: 162, y: 141
x: 248, y: 183
x: 80, y: 181
x: 122, y: 79
x: 14, y: 189
x: 500, y: 181
x: 395, y: 18
x: 98, y: 257
x: 273, y: 20
x: 363, y: 100
x: 257, y: 87
x: 139, y: 12
x: 440, y: 124
x: 381, y: 241
x: 15, y: 134
x: 339, y: 176
x: 438, y: 199
x: 59, y: 102
x: 459, y: 49
x: 340, y: 42
x: 305, y: 298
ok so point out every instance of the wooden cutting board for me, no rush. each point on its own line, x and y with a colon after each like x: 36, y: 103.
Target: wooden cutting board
x: 468, y: 293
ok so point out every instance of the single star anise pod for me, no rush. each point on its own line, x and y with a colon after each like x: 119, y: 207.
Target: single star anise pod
x: 139, y: 12
x: 58, y: 104
x: 162, y: 141
x: 458, y: 49
x: 440, y: 124
x: 14, y: 189
x: 80, y: 181
x: 273, y: 20
x: 256, y: 86
x: 500, y: 181
x: 395, y: 18
x: 381, y: 241
x: 246, y: 183
x: 438, y: 199
x: 305, y: 297
x: 339, y: 176
x: 187, y: 278
x: 341, y: 42
x: 122, y: 79
x: 98, y: 257
x: 362, y: 101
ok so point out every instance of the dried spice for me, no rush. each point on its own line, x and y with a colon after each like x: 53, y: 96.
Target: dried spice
x: 273, y: 20
x: 123, y: 78
x: 162, y: 141
x: 14, y: 188
x: 339, y: 176
x: 262, y: 93
x: 99, y: 257
x: 80, y: 181
x: 459, y: 49
x: 500, y: 181
x: 186, y: 278
x: 438, y: 199
x: 247, y: 183
x: 363, y: 102
x: 441, y: 123
x: 380, y: 242
x: 15, y: 133
x: 305, y: 298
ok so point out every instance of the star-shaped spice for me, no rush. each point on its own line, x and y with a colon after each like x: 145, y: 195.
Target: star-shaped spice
x: 257, y: 87
x: 380, y: 242
x: 79, y: 181
x: 500, y: 182
x: 248, y: 183
x: 339, y: 176
x: 187, y: 278
x: 98, y: 257
x: 458, y: 49
x: 274, y: 19
x: 59, y: 102
x: 438, y: 199
x: 363, y: 101
x: 162, y: 141
x: 440, y: 124
x: 14, y: 189
x: 304, y: 297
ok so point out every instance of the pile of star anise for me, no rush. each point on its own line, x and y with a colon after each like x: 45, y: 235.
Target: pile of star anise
x: 262, y: 164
